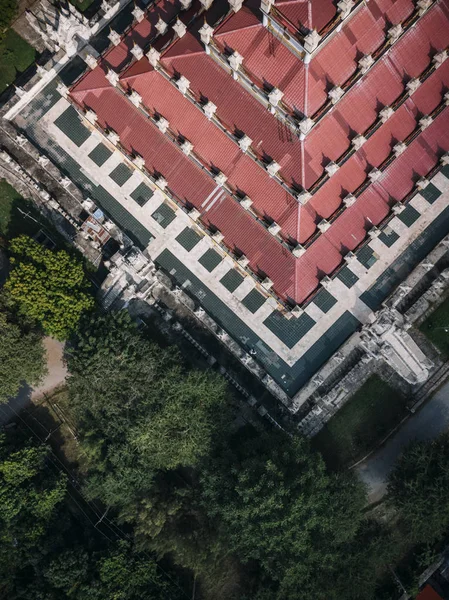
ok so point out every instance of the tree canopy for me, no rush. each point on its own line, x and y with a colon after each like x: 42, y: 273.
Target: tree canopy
x: 48, y: 287
x: 139, y: 409
x: 22, y: 357
x: 8, y: 10
x: 419, y: 489
x: 48, y: 551
x: 275, y: 503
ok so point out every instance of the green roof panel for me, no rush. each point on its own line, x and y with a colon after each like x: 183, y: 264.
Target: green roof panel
x: 210, y: 259
x: 100, y: 154
x: 254, y: 300
x: 69, y: 122
x: 188, y: 238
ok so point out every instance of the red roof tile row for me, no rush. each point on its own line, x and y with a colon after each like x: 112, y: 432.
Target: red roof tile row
x: 302, y: 162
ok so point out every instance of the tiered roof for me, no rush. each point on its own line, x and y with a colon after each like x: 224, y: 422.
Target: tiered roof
x: 269, y: 63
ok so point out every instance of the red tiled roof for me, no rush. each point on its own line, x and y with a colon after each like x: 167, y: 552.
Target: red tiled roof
x: 309, y: 14
x: 302, y: 162
x: 428, y: 593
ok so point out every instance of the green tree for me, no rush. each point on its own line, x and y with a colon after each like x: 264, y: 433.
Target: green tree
x: 30, y: 494
x: 137, y: 401
x: 275, y: 504
x: 48, y: 287
x: 8, y: 10
x: 22, y: 358
x: 418, y: 488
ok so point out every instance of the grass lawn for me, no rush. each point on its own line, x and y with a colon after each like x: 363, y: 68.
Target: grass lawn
x: 362, y: 422
x: 81, y: 5
x: 16, y: 55
x: 434, y: 327
x: 12, y: 221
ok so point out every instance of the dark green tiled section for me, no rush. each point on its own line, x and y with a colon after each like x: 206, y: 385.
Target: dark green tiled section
x: 445, y: 171
x: 289, y: 331
x: 141, y: 194
x: 32, y: 115
x: 164, y: 215
x: 409, y: 215
x: 366, y: 256
x: 100, y: 154
x: 210, y: 260
x: 430, y: 193
x: 69, y: 122
x: 120, y: 174
x: 253, y: 301
x: 324, y: 300
x: 291, y: 379
x: 232, y: 280
x: 389, y: 238
x: 407, y: 261
x: 188, y: 238
x: 347, y: 276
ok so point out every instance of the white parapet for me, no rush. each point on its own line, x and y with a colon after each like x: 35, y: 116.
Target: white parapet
x: 220, y: 178
x: 311, y: 41
x: 344, y: 8
x: 331, y: 168
x: 183, y: 84
x: 394, y: 33
x: 413, y: 85
x: 365, y: 63
x: 179, y: 28
x: 422, y: 183
x: 358, y: 141
x: 273, y: 168
x: 114, y: 37
x: 399, y: 148
x: 425, y: 122
x: 90, y: 61
x: 187, y: 147
x: 245, y: 143
x: 138, y: 14
x: 161, y: 182
x: 91, y: 116
x: 161, y: 26
x: 374, y: 175
x: 243, y: 261
x: 423, y: 6
x: 246, y: 203
x: 209, y: 109
x: 303, y: 197
x: 162, y: 124
x: 135, y: 98
x: 386, y: 113
x: 267, y: 283
x: 153, y: 56
x: 206, y: 4
x: 218, y: 237
x: 323, y: 225
x: 274, y: 228
x: 113, y: 136
x: 298, y: 251
x: 275, y: 96
x: 235, y: 5
x: 139, y: 161
x: 335, y: 94
x: 112, y: 77
x: 439, y: 58
x: 137, y: 51
x: 206, y: 32
x: 305, y: 126
x: 349, y: 200
x: 186, y: 4
x: 235, y: 60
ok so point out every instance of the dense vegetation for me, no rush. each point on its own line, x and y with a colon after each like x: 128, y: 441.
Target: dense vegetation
x: 47, y: 287
x: 237, y: 511
x: 49, y: 550
x: 22, y: 356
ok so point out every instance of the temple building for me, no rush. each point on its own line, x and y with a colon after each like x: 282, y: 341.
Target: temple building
x: 285, y: 164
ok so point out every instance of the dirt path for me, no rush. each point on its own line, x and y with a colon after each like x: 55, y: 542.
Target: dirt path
x: 57, y: 373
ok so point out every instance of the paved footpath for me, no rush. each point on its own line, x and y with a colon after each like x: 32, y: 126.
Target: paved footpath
x: 427, y: 423
x: 57, y: 373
